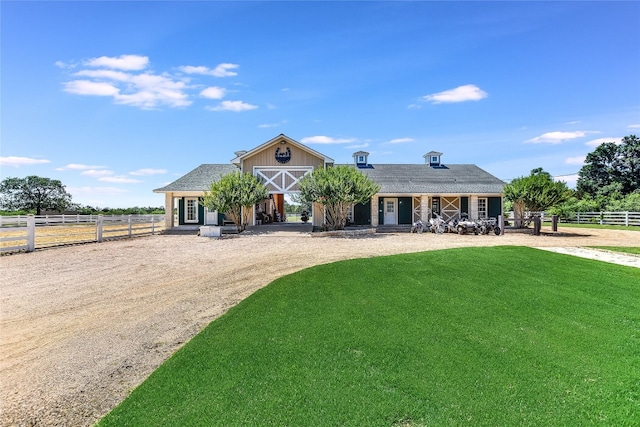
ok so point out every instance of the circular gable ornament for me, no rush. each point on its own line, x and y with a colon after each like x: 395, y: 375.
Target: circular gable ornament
x: 283, y: 156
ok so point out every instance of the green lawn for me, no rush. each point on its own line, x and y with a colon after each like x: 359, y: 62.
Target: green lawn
x: 625, y: 249
x: 592, y: 225
x: 499, y: 336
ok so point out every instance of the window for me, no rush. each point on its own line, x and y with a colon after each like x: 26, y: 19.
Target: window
x: 360, y: 159
x: 191, y: 210
x: 391, y: 207
x: 434, y: 159
x: 482, y: 208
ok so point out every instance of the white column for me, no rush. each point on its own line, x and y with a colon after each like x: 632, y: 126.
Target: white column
x: 168, y: 210
x: 374, y: 211
x: 424, y: 208
x: 473, y: 207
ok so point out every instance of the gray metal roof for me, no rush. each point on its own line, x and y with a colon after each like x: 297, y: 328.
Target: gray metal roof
x: 199, y: 179
x: 424, y: 179
x: 392, y: 179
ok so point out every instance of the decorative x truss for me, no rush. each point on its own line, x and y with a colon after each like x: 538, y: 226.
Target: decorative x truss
x: 281, y: 180
x: 450, y: 208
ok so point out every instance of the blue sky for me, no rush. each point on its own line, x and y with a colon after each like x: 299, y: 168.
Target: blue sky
x: 118, y: 98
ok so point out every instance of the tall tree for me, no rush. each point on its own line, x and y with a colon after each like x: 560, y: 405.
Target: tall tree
x: 235, y: 194
x: 336, y: 189
x: 34, y: 193
x: 535, y: 193
x: 611, y: 169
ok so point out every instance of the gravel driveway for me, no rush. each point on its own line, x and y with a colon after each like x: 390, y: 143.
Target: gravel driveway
x: 81, y: 326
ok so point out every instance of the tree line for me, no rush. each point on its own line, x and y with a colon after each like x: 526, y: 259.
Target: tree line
x: 608, y: 181
x: 37, y: 195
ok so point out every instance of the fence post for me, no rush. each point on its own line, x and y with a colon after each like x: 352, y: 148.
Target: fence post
x: 153, y: 224
x: 578, y: 217
x: 129, y: 222
x: 501, y: 224
x: 554, y: 223
x: 31, y: 233
x: 626, y: 218
x: 99, y: 228
x: 536, y: 225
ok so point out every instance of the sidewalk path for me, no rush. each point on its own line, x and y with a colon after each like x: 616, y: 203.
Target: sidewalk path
x: 599, y: 254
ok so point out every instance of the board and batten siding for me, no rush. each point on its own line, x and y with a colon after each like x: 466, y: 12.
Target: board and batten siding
x: 266, y: 157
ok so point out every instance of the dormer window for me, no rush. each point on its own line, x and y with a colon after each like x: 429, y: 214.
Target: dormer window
x: 432, y: 158
x: 360, y: 158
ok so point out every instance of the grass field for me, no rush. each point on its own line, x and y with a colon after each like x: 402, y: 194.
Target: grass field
x: 498, y: 336
x: 604, y: 226
x: 625, y: 249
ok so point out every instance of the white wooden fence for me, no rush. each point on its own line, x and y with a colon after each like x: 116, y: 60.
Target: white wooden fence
x: 602, y: 218
x: 26, y: 232
x: 608, y: 218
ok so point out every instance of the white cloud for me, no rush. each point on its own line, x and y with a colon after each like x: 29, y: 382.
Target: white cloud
x: 233, y: 106
x: 96, y: 172
x: 557, y: 137
x: 213, y: 92
x: 87, y: 87
x: 578, y: 160
x: 65, y: 65
x: 77, y: 166
x: 21, y: 161
x: 321, y: 139
x: 222, y: 70
x: 119, y: 179
x: 634, y: 126
x: 574, y: 122
x: 365, y: 145
x: 273, y: 125
x: 414, y: 106
x: 459, y: 94
x: 596, y: 142
x: 570, y: 180
x: 121, y: 79
x: 138, y: 90
x: 148, y: 171
x: 400, y: 141
x: 151, y: 90
x: 105, y: 191
x: 122, y: 62
x: 106, y: 74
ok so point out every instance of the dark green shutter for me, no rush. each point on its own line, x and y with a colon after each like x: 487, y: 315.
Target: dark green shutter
x: 381, y: 210
x: 181, y: 211
x: 495, y: 207
x: 201, y: 217
x: 464, y: 206
x: 405, y: 210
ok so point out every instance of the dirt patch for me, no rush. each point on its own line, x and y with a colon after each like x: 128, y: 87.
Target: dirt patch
x: 82, y: 326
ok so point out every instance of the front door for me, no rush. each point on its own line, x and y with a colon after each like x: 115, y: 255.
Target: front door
x: 191, y: 211
x: 390, y: 211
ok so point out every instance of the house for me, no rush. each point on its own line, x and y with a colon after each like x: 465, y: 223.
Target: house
x: 408, y: 192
